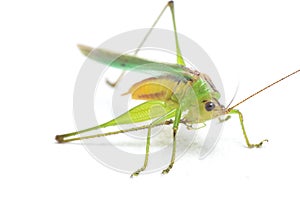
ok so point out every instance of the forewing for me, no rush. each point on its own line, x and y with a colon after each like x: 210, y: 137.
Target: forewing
x: 128, y: 62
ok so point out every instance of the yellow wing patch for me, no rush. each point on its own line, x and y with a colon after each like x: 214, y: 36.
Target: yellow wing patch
x: 161, y: 88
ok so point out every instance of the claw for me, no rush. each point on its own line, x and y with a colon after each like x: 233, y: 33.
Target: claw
x: 165, y: 171
x: 137, y: 172
x: 258, y: 145
x: 111, y: 84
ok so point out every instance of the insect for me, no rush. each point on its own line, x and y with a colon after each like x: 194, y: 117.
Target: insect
x: 187, y: 96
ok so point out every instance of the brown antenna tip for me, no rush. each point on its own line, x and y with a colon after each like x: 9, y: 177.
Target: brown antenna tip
x: 285, y: 77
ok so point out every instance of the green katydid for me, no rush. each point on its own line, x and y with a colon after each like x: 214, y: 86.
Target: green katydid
x: 172, y: 92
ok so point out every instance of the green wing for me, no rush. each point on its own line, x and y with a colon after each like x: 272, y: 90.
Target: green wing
x: 128, y: 62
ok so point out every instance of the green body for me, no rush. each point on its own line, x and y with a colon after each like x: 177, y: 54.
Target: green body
x: 179, y: 90
x: 192, y: 88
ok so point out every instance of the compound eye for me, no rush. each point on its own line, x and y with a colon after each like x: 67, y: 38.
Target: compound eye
x: 209, y: 106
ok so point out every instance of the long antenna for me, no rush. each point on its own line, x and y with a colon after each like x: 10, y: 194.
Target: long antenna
x: 236, y: 90
x: 229, y: 109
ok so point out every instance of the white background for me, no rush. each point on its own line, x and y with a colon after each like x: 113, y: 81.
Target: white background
x: 251, y: 42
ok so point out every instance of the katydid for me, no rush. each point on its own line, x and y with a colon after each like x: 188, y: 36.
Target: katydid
x: 173, y: 91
